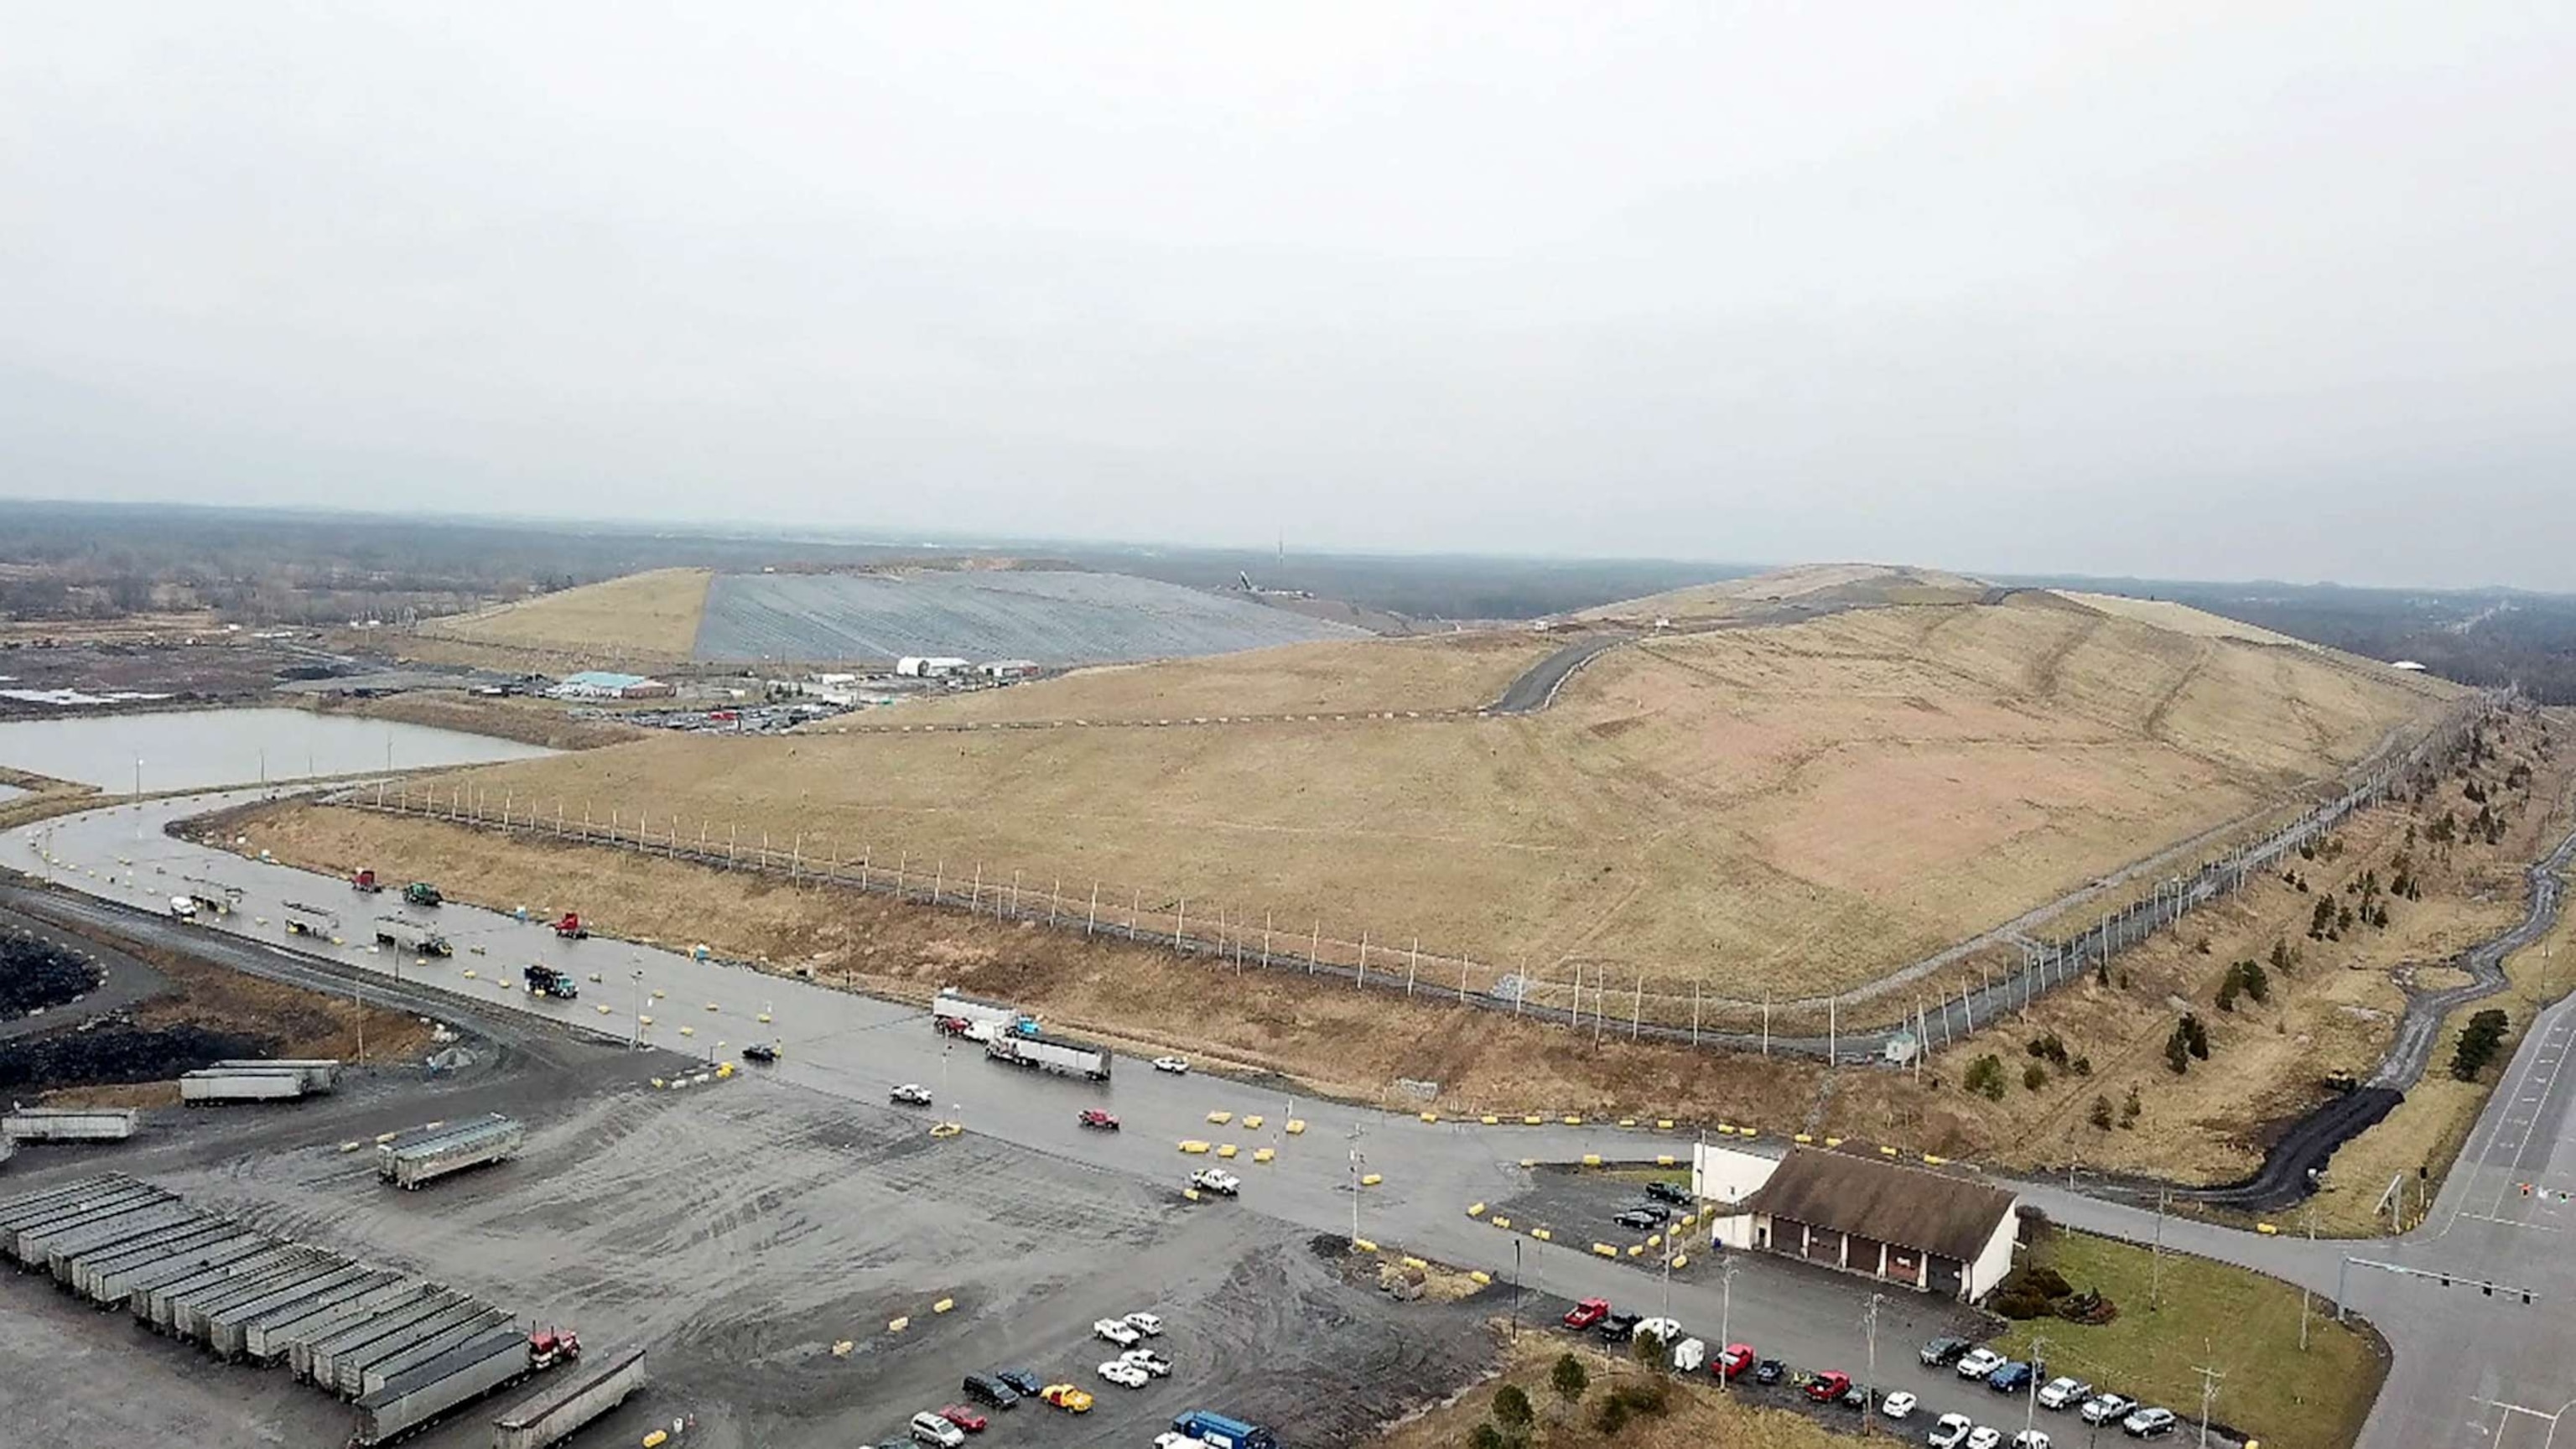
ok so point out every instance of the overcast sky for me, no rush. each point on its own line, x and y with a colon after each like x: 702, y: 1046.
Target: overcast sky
x: 2211, y: 290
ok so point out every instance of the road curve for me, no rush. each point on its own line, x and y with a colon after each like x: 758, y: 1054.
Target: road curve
x: 1537, y: 685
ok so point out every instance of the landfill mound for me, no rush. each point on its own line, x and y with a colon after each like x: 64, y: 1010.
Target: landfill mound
x: 113, y: 1051
x: 1049, y: 616
x: 37, y: 975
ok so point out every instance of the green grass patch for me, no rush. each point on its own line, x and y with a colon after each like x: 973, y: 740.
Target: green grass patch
x: 2238, y: 1322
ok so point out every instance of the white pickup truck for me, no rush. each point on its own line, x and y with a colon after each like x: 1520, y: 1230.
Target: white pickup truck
x: 1216, y: 1180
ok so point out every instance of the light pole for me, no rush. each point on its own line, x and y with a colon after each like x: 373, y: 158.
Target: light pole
x: 1725, y: 1318
x: 1516, y: 1290
x: 638, y: 974
x: 1869, y: 1391
x: 2030, y: 1406
x: 1357, y: 1159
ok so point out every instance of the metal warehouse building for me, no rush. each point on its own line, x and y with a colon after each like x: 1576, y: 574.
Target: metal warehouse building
x: 1911, y: 1226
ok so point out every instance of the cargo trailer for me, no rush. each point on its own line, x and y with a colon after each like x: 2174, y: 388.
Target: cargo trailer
x: 189, y: 1311
x: 997, y: 1017
x: 385, y: 1370
x: 1052, y: 1054
x: 69, y: 1124
x: 410, y: 936
x: 71, y: 1211
x: 130, y: 1286
x: 455, y: 1378
x: 156, y: 1304
x: 320, y: 1074
x: 17, y: 1209
x: 8, y: 1148
x: 349, y: 1366
x: 420, y: 1157
x: 90, y: 1274
x: 56, y: 1253
x: 550, y: 1414
x: 266, y: 1339
x: 228, y: 1332
x: 310, y: 1339
x: 198, y: 1089
x: 30, y: 1244
x: 322, y: 1364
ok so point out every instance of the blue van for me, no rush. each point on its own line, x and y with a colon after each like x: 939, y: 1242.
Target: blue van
x: 1221, y: 1432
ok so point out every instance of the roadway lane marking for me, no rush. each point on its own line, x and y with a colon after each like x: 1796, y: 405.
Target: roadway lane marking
x: 2511, y: 1222
x: 2554, y: 1036
x: 2556, y: 1031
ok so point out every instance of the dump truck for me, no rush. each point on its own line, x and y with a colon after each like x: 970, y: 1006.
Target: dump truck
x: 1052, y: 1054
x: 570, y: 927
x: 456, y: 1377
x: 554, y: 1412
x: 544, y: 980
x: 364, y: 882
x: 421, y: 893
x: 411, y: 936
x: 424, y: 1155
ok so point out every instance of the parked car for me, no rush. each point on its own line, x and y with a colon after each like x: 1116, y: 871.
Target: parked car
x: 990, y: 1389
x: 928, y: 1428
x: 1020, y: 1381
x: 1117, y: 1331
x: 1982, y: 1437
x: 1619, y: 1327
x: 1177, y: 1066
x: 1639, y: 1219
x: 2009, y: 1378
x: 1949, y: 1432
x: 1826, y: 1387
x: 761, y: 1051
x: 2064, y: 1393
x: 1671, y: 1192
x: 1770, y: 1371
x: 1146, y: 1324
x: 912, y: 1094
x: 2107, y: 1408
x: 1174, y: 1439
x: 1120, y: 1371
x: 1587, y: 1313
x: 1067, y: 1398
x: 965, y: 1418
x: 1943, y: 1351
x: 1732, y: 1363
x: 1857, y: 1396
x: 1098, y: 1120
x: 1148, y: 1360
x: 1898, y: 1405
x: 2148, y: 1424
x: 1976, y: 1363
x: 2031, y: 1439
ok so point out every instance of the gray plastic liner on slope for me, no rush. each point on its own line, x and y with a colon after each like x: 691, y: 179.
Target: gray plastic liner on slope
x: 1052, y: 617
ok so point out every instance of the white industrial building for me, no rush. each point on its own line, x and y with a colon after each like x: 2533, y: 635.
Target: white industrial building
x: 1935, y: 1232
x: 915, y: 666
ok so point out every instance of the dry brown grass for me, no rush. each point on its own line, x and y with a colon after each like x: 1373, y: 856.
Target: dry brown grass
x: 650, y: 615
x: 1698, y: 1414
x: 1438, y: 672
x: 1798, y: 808
x: 529, y: 721
x: 2180, y: 618
x: 1806, y: 583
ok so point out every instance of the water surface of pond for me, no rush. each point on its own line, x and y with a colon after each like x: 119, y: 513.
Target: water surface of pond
x: 196, y: 748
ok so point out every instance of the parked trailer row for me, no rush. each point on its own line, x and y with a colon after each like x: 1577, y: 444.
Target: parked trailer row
x: 553, y: 1413
x: 69, y: 1124
x: 211, y: 1085
x: 459, y: 1376
x: 426, y: 1154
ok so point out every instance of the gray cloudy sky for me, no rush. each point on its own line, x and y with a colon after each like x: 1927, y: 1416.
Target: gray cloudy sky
x: 2212, y: 290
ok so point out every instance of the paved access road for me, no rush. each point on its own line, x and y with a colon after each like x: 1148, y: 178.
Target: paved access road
x: 2471, y: 1370
x: 1537, y: 685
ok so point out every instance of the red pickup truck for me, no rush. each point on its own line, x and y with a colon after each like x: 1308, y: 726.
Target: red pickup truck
x: 1828, y: 1386
x: 1095, y: 1118
x: 1587, y: 1313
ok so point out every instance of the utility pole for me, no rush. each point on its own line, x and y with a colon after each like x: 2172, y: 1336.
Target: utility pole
x: 2030, y: 1404
x: 2209, y: 1378
x: 2156, y: 1277
x: 1357, y: 1158
x: 1869, y: 1393
x: 1725, y: 1317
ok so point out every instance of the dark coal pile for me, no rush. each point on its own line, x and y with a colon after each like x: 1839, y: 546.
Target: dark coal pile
x: 114, y: 1051
x: 37, y: 975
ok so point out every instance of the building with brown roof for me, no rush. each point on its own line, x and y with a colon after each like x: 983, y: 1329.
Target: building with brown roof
x: 1937, y: 1232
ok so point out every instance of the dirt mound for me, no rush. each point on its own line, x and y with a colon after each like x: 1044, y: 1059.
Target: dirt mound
x: 36, y: 975
x: 118, y: 1051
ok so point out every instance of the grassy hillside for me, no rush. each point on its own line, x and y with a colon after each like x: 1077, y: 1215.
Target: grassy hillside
x: 1789, y: 809
x: 1805, y: 586
x: 649, y: 616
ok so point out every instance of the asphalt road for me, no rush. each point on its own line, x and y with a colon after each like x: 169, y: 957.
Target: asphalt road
x: 858, y: 1048
x: 1536, y: 687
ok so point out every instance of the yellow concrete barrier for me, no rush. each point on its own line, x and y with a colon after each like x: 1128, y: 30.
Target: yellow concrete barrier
x: 943, y: 1305
x: 1480, y: 1277
x: 1193, y: 1145
x: 1529, y: 1162
x: 1370, y: 1179
x: 1605, y: 1250
x: 1474, y: 1209
x: 657, y: 1439
x: 1833, y: 1142
x: 1225, y: 1149
x: 1430, y: 1116
x: 1725, y: 1129
x: 1681, y: 1260
x: 1686, y: 1220
x: 1362, y: 1245
x: 1262, y: 1154
x: 1627, y: 1121
x: 644, y: 1020
x: 349, y: 1146
x: 1666, y: 1123
x: 1803, y: 1138
x: 1654, y: 1240
x: 1220, y: 1118
x: 1532, y: 1120
x: 469, y: 973
x: 1543, y: 1235
x: 1635, y: 1249
x: 724, y: 1070
x: 603, y: 1009
x: 1664, y: 1159
x: 897, y: 1325
x: 1415, y: 1263
x: 711, y: 1006
x: 657, y: 1081
x: 946, y: 1129
x: 2266, y: 1229
x: 1252, y: 1121
x: 844, y: 1348
x: 1498, y: 1220
x: 1592, y: 1159
x: 1932, y: 1161
x: 658, y: 995
x: 1887, y: 1152
x: 688, y: 1031
x: 1573, y: 1121
x: 1296, y: 1126
x: 764, y: 1018
x: 1191, y: 1193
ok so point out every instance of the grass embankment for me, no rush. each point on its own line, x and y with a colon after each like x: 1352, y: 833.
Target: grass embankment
x: 1695, y: 1415
x: 2240, y: 1323
x: 651, y: 615
x: 529, y: 721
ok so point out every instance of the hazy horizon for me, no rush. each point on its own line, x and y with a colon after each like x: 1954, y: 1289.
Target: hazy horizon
x: 2118, y: 291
